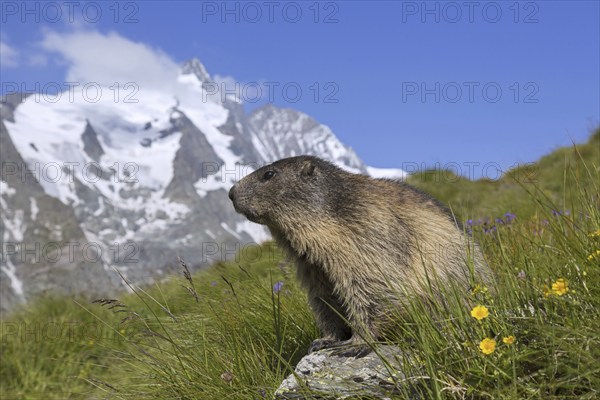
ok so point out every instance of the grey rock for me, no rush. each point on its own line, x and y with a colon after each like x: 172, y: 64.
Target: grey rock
x: 236, y: 127
x: 195, y: 159
x: 322, y: 375
x: 9, y: 102
x: 91, y: 145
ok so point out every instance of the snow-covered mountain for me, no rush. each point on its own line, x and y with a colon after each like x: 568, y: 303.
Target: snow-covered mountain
x: 92, y: 186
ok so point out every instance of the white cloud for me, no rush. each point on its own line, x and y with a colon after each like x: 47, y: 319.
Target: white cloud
x: 229, y: 87
x: 106, y: 59
x: 37, y: 60
x: 227, y: 80
x: 9, y: 57
x: 242, y: 92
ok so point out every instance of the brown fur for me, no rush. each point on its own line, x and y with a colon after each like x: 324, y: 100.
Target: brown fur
x: 360, y: 244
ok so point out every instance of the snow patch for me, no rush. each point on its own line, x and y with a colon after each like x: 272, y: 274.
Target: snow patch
x: 34, y: 208
x: 387, y: 173
x: 224, y: 179
x: 258, y: 233
x: 231, y: 231
x: 14, y: 226
x: 15, y: 283
x: 6, y: 190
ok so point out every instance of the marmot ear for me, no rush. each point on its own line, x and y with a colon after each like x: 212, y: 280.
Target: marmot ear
x: 308, y: 168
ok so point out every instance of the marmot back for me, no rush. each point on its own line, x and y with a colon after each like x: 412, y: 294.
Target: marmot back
x: 360, y: 244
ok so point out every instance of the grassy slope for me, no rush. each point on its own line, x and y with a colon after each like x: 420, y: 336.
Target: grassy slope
x: 554, y: 175
x: 239, y: 338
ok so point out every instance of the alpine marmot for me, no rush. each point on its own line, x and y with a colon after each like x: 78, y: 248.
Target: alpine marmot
x: 361, y: 245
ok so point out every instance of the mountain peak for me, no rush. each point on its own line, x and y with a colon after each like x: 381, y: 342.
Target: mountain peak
x: 174, y: 152
x: 195, y: 67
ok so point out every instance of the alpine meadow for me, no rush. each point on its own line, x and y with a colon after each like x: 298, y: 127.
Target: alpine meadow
x: 235, y: 330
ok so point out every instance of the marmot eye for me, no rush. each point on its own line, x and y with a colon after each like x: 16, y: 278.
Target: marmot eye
x: 268, y: 175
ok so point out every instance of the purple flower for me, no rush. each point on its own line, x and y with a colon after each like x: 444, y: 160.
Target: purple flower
x: 469, y: 222
x: 277, y: 287
x: 213, y: 283
x: 509, y: 217
x: 500, y: 221
x: 545, y: 222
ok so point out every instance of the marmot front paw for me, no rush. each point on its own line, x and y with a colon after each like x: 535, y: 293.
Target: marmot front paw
x: 323, y: 343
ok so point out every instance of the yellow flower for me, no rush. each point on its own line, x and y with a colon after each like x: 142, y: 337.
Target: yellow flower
x: 508, y: 339
x: 595, y: 234
x: 90, y: 342
x: 479, y: 312
x: 595, y: 254
x: 487, y: 346
x: 560, y: 287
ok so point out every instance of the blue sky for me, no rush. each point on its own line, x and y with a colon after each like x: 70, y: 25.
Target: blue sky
x: 403, y: 83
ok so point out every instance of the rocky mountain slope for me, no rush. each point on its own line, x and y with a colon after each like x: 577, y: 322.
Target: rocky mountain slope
x: 90, y: 187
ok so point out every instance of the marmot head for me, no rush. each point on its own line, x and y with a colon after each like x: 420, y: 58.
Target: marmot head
x: 288, y: 190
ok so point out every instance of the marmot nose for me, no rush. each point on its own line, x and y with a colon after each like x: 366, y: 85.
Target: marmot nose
x: 231, y: 192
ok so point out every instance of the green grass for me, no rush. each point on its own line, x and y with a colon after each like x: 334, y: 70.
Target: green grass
x: 161, y: 342
x: 556, y: 179
x: 224, y: 334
